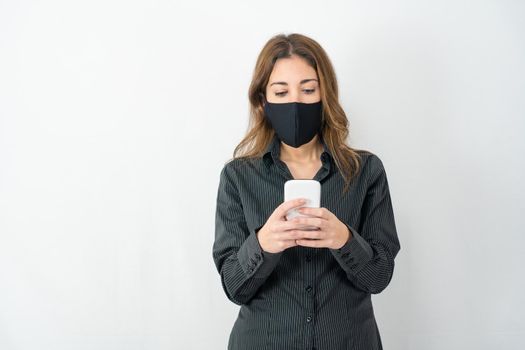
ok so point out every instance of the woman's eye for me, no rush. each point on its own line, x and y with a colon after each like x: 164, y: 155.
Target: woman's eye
x: 307, y: 91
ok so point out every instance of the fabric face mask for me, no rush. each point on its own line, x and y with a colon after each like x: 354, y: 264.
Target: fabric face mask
x: 295, y: 123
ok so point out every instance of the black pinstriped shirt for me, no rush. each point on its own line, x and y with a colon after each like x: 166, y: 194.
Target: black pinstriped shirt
x: 304, y: 297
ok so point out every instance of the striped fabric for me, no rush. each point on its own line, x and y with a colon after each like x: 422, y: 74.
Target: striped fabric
x: 304, y: 297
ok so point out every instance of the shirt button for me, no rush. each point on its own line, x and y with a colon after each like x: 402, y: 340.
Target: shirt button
x: 309, y: 319
x: 309, y: 289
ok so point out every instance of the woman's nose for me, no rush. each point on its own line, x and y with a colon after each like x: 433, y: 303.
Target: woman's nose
x: 296, y: 97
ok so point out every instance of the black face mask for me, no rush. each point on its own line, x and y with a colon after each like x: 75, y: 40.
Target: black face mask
x: 295, y: 123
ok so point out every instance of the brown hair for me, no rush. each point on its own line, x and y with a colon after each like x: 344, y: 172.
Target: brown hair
x: 334, y: 124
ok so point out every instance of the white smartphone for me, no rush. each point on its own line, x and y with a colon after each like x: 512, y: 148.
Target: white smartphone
x: 303, y: 188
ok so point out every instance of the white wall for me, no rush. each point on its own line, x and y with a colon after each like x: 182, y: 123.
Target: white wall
x: 111, y: 110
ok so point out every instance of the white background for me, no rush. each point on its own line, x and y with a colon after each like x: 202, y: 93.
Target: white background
x: 116, y: 118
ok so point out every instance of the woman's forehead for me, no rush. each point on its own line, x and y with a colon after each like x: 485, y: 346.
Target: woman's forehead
x: 292, y: 65
x: 292, y: 68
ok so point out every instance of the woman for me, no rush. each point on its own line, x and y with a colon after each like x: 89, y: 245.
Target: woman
x: 302, y: 289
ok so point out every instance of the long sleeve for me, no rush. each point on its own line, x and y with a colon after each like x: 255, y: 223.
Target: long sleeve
x: 242, y: 264
x: 368, y: 256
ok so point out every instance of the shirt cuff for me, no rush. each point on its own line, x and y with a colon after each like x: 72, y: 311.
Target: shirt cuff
x: 254, y: 261
x: 355, y: 253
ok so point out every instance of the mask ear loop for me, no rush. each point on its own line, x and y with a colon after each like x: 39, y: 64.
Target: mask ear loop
x: 323, y: 118
x: 323, y: 124
x: 263, y: 101
x: 263, y: 98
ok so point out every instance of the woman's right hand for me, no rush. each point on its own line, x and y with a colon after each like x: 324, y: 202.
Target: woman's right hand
x: 279, y: 234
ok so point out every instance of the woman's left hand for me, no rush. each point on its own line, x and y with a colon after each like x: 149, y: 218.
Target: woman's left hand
x: 332, y: 232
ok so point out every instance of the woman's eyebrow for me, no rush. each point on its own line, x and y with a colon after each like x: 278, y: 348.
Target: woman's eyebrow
x: 285, y: 83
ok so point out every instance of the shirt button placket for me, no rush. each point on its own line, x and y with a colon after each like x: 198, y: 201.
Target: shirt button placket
x: 309, y: 288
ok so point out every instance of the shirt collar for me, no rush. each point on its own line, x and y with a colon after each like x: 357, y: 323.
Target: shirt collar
x: 274, y: 150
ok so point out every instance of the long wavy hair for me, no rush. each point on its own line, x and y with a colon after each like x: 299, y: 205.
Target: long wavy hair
x: 334, y: 123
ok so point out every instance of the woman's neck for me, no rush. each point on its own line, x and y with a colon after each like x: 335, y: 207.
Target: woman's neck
x: 307, y: 153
